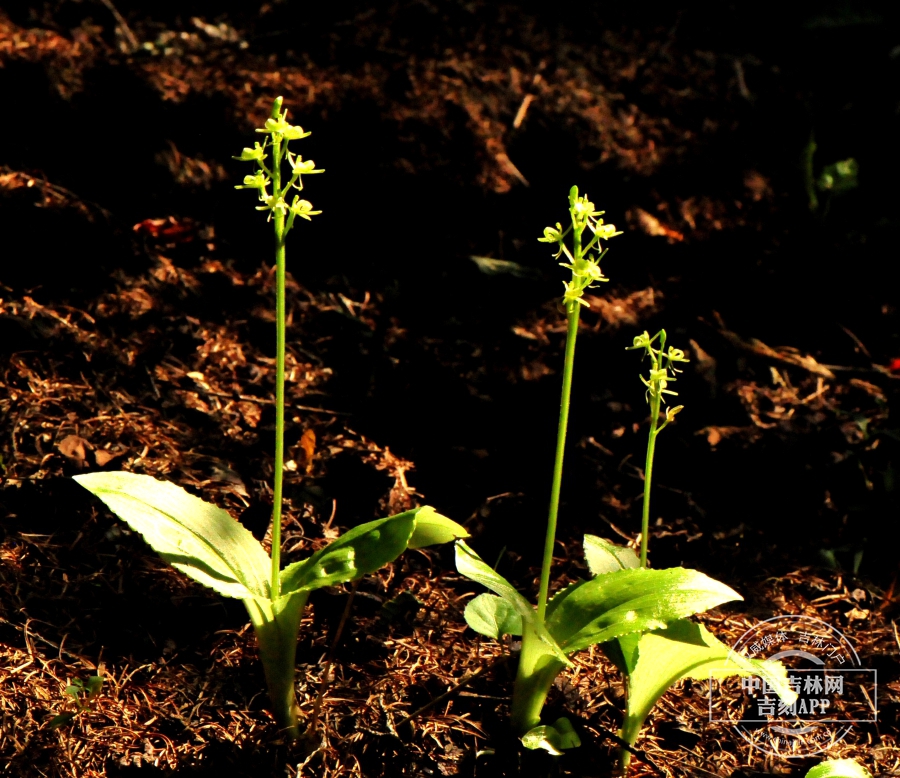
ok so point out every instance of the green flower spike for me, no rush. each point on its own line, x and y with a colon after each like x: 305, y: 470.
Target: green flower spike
x: 662, y: 361
x: 279, y: 131
x: 583, y: 258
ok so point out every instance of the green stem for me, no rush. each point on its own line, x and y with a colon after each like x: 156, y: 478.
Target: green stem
x: 648, y: 473
x: 573, y: 314
x: 278, y: 486
x: 537, y: 670
x: 276, y: 625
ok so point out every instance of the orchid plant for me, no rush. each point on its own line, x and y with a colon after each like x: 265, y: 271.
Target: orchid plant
x: 637, y: 615
x: 206, y: 543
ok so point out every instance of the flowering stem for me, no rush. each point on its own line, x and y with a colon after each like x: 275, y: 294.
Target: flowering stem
x: 573, y: 315
x: 279, y: 133
x: 278, y: 486
x: 648, y: 474
x: 585, y: 269
x: 661, y: 361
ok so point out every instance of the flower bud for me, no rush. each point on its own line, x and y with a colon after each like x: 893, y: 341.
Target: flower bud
x: 672, y: 412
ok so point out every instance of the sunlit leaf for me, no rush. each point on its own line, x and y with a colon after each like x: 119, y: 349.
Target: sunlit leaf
x: 554, y: 738
x: 605, y: 557
x: 630, y: 601
x: 493, y: 616
x: 659, y: 659
x: 839, y: 768
x: 433, y: 529
x: 195, y: 537
x: 357, y: 552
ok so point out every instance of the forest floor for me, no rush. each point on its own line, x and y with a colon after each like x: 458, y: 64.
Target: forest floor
x: 424, y: 352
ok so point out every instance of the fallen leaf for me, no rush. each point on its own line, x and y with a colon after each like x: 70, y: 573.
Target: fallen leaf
x: 496, y: 267
x: 652, y: 226
x: 74, y: 448
x: 306, y: 450
x: 715, y: 435
x: 251, y: 412
x: 628, y: 310
x: 176, y: 231
x: 103, y: 457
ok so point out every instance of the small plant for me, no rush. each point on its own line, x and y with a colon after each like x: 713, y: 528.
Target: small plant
x: 661, y: 361
x: 624, y: 600
x: 206, y: 543
x: 83, y: 693
x: 652, y: 661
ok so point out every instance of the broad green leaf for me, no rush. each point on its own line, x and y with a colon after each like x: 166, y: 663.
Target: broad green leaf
x: 839, y: 768
x: 195, y: 537
x: 357, y: 552
x: 493, y: 616
x: 432, y: 529
x: 629, y: 601
x: 685, y: 650
x: 605, y: 557
x: 554, y: 738
x: 469, y: 564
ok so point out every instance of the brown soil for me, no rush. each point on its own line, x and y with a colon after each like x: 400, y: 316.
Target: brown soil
x: 137, y: 333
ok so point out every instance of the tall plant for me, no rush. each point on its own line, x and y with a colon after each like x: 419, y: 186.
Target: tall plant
x: 623, y: 600
x: 283, y: 211
x: 206, y: 543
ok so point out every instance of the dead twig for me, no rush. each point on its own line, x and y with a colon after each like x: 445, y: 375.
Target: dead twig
x: 123, y: 26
